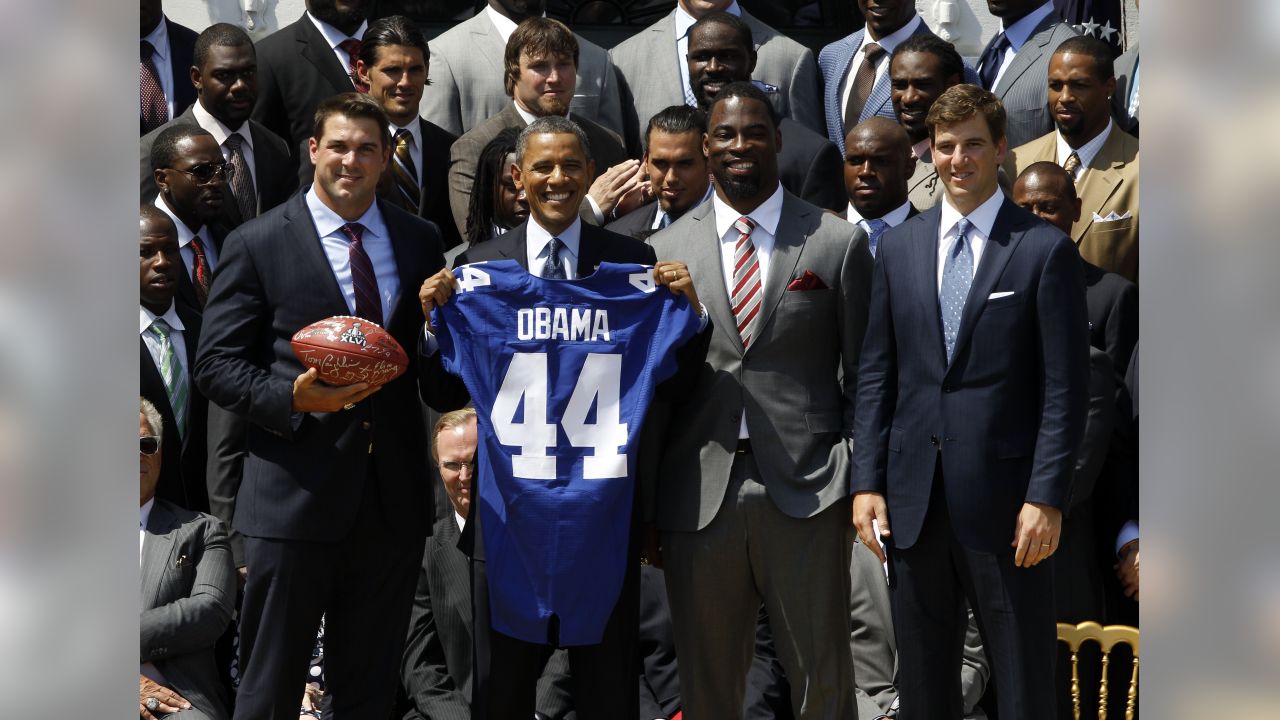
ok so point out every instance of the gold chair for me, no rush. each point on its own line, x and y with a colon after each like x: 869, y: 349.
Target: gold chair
x: 1107, y: 638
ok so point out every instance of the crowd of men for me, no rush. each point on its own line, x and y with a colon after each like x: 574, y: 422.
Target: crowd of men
x: 900, y: 447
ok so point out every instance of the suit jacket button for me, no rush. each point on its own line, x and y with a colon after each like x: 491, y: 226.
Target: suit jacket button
x: 933, y: 440
x: 947, y: 388
x: 366, y: 425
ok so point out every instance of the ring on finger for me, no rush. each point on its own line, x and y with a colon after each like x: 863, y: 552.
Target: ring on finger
x: 152, y: 704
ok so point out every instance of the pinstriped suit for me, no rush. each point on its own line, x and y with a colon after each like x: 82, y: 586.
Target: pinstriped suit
x: 188, y: 590
x: 1024, y: 87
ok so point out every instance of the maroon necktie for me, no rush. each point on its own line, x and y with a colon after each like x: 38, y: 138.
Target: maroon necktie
x: 200, y: 273
x: 363, y: 280
x: 154, y: 107
x: 351, y: 47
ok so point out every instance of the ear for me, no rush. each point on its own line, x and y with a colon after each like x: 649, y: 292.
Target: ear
x: 1002, y: 149
x: 751, y: 63
x: 516, y: 178
x: 1079, y: 207
x: 195, y: 78
x: 777, y: 136
x: 591, y: 168
x: 362, y: 72
x: 161, y: 182
x: 312, y: 147
x: 1110, y: 87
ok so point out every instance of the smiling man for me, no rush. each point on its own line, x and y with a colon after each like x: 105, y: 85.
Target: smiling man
x: 921, y: 70
x: 877, y: 163
x: 971, y: 403
x: 677, y: 171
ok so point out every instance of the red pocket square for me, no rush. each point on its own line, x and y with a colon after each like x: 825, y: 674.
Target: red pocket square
x: 807, y: 281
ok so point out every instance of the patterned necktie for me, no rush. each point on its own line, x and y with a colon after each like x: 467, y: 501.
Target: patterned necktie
x: 665, y: 221
x: 351, y: 47
x: 747, y: 287
x: 200, y: 273
x: 1072, y: 165
x: 364, y: 281
x: 241, y: 179
x: 863, y: 80
x: 876, y: 228
x: 154, y: 105
x: 173, y: 374
x: 957, y: 275
x: 405, y: 173
x: 992, y: 59
x: 553, y: 269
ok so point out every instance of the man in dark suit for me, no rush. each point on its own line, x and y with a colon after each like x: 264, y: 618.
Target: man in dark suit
x: 437, y: 665
x: 971, y: 405
x: 553, y: 168
x: 541, y: 61
x: 877, y: 163
x: 166, y: 50
x: 332, y: 488
x: 168, y: 335
x: 754, y: 461
x: 191, y: 175
x: 305, y: 62
x: 923, y: 67
x: 187, y: 591
x: 225, y: 78
x: 676, y: 168
x: 721, y: 52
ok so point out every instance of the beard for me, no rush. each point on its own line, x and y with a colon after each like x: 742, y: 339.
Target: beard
x: 739, y: 188
x: 550, y: 105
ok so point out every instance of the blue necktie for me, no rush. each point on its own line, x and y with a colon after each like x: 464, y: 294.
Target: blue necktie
x: 553, y: 269
x: 877, y: 228
x: 957, y: 275
x: 992, y: 59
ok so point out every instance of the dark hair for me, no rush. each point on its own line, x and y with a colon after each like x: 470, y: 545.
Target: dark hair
x: 148, y: 211
x: 389, y: 31
x: 164, y: 150
x: 489, y: 172
x: 949, y: 61
x: 539, y: 37
x: 352, y: 105
x: 744, y: 89
x: 1047, y: 169
x: 1101, y: 52
x: 961, y: 102
x: 219, y: 35
x: 675, y: 120
x: 719, y: 17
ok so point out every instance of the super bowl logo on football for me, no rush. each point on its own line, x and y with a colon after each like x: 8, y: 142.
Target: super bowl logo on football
x: 345, y: 350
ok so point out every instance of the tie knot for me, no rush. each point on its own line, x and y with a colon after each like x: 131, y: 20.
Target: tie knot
x: 353, y: 231
x: 350, y: 46
x: 146, y: 50
x: 233, y: 141
x: 877, y: 225
x: 1002, y: 41
x: 161, y: 327
x: 1072, y: 164
x: 402, y: 138
x: 872, y: 52
x: 744, y: 225
x: 962, y: 230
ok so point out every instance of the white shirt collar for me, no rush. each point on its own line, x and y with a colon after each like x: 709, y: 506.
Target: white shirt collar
x: 462, y: 522
x: 983, y: 217
x: 333, y: 35
x: 159, y: 39
x: 1086, y: 152
x: 146, y: 318
x: 217, y: 129
x: 766, y: 215
x: 503, y: 24
x: 537, y: 237
x: 1020, y: 32
x: 527, y: 116
x: 184, y: 233
x: 328, y: 222
x: 684, y: 20
x: 144, y: 512
x: 891, y: 41
x: 893, y: 218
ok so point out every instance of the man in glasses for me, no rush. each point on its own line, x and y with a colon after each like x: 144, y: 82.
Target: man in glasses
x: 191, y: 175
x: 187, y: 591
x: 436, y: 671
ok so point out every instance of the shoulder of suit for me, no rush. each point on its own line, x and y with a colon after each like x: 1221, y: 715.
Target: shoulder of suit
x: 181, y: 32
x: 433, y: 133
x: 179, y: 516
x: 284, y: 39
x: 1044, y: 147
x: 794, y: 132
x: 641, y: 42
x: 264, y: 133
x: 769, y: 40
x: 480, y: 135
x: 846, y: 44
x: 597, y: 132
x: 458, y: 38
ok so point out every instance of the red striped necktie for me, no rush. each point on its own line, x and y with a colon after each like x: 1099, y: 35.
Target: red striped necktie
x: 747, y: 286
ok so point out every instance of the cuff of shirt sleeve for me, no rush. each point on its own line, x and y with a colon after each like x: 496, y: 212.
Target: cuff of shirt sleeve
x: 703, y: 317
x: 1127, y: 534
x: 595, y: 210
x: 428, y: 345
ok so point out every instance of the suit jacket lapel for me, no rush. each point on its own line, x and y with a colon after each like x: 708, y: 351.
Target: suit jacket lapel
x: 1100, y: 181
x: 924, y: 274
x: 514, y: 245
x: 1030, y: 52
x: 400, y: 241
x: 310, y: 254
x: 485, y: 38
x: 788, y: 244
x: 1006, y: 233
x: 157, y: 548
x: 666, y: 38
x: 589, y: 257
x: 317, y: 51
x: 703, y: 259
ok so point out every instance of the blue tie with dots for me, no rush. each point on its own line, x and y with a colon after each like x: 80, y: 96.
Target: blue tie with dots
x: 957, y: 275
x: 876, y: 228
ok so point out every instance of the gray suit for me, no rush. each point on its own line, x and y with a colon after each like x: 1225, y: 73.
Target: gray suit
x: 649, y: 70
x: 1126, y: 66
x: 788, y: 493
x: 467, y: 71
x: 1024, y: 87
x: 188, y: 591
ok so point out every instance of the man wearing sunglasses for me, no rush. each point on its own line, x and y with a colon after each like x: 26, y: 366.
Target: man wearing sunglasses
x: 187, y: 591
x: 191, y: 175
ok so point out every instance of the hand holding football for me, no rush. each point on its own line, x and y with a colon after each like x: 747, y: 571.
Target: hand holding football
x: 345, y: 350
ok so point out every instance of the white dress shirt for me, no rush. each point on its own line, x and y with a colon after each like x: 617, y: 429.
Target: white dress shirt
x: 889, y: 42
x: 982, y: 218
x: 766, y: 217
x: 503, y: 24
x: 1019, y: 33
x: 415, y: 146
x: 1086, y: 152
x: 684, y: 21
x: 162, y: 59
x: 337, y: 248
x: 184, y: 241
x: 462, y: 522
x: 334, y: 37
x: 221, y: 132
x: 537, y: 250
x: 146, y: 319
x: 893, y: 218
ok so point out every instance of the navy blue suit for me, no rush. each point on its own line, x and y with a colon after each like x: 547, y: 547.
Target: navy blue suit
x: 956, y: 449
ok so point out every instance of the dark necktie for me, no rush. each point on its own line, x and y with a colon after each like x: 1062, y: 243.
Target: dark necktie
x: 200, y: 274
x: 863, y: 80
x: 351, y: 47
x: 553, y: 268
x: 405, y: 173
x: 992, y: 59
x: 241, y: 179
x: 665, y: 221
x: 154, y: 106
x: 363, y: 279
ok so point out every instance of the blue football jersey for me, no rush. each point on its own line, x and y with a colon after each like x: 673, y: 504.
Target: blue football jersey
x: 561, y: 373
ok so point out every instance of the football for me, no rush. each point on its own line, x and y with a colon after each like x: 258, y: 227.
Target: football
x: 346, y: 350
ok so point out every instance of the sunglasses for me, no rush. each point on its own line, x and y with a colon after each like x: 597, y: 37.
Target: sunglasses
x: 204, y: 174
x: 148, y: 445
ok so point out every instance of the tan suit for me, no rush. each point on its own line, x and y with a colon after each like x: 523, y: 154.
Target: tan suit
x: 1108, y: 185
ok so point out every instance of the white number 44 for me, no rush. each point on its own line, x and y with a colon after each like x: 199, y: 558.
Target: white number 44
x: 598, y: 381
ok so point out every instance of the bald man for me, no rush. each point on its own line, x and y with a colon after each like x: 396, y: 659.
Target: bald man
x: 877, y: 165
